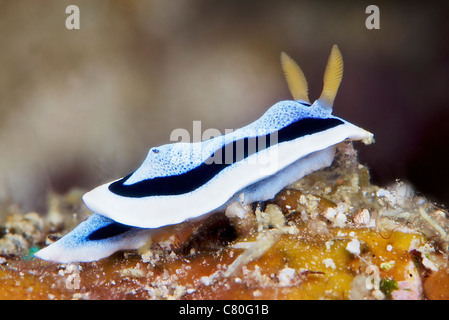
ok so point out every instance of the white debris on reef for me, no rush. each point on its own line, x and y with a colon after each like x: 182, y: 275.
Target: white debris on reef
x: 269, y: 225
x: 235, y: 210
x: 21, y: 232
x: 353, y: 246
x: 399, y: 203
x: 165, y: 286
x: 253, y: 250
x: 286, y: 276
x: 133, y: 272
x: 271, y: 217
x: 363, y: 219
x: 71, y: 274
x: 329, y: 263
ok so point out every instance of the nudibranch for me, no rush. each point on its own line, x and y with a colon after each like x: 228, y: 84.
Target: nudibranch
x: 183, y: 181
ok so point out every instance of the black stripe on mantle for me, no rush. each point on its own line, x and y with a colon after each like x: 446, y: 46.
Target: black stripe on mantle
x: 198, y: 176
x: 111, y: 230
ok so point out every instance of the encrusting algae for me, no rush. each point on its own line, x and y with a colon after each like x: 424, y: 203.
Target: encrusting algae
x: 331, y: 235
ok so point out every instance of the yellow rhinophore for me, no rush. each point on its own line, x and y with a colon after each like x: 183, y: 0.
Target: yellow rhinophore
x: 296, y: 80
x: 332, y: 78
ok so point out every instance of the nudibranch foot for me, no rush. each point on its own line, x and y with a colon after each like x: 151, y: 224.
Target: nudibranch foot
x: 267, y: 188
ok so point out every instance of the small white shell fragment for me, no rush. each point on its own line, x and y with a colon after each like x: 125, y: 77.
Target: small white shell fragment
x: 132, y: 273
x: 257, y: 293
x: 329, y: 263
x: 272, y: 216
x: 353, y: 246
x: 340, y: 220
x: 286, y: 276
x: 363, y: 218
x: 337, y: 218
x: 235, y: 210
x: 330, y: 213
x: 429, y: 264
x: 206, y: 280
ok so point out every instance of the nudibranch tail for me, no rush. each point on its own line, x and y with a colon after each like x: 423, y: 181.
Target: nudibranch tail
x: 93, y: 239
x: 296, y: 80
x: 332, y: 78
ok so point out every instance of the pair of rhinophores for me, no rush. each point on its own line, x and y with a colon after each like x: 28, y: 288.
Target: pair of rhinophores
x: 178, y: 182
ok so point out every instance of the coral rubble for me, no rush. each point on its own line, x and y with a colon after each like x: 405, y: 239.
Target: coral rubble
x: 331, y: 235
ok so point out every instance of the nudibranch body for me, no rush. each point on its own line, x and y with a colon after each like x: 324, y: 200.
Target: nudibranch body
x: 183, y: 181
